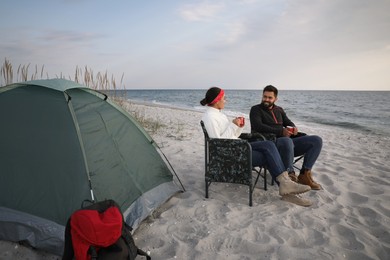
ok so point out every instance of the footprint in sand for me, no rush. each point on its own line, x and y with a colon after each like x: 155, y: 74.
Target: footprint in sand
x: 188, y: 233
x: 347, y: 238
x: 356, y: 198
x: 369, y: 217
x: 325, y: 179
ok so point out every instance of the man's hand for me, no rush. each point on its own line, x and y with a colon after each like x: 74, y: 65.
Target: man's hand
x: 286, y: 133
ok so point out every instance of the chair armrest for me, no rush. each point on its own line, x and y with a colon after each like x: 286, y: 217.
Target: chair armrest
x: 224, y: 141
x: 299, y: 134
x: 251, y: 137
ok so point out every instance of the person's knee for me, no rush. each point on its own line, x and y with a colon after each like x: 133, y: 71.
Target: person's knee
x: 269, y: 143
x: 264, y: 144
x: 285, y: 144
x: 257, y: 159
x: 317, y: 140
x: 284, y: 141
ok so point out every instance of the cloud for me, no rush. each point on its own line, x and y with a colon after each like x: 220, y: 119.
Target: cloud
x: 29, y: 42
x: 69, y: 36
x: 59, y: 50
x: 234, y: 33
x: 336, y: 26
x: 200, y: 12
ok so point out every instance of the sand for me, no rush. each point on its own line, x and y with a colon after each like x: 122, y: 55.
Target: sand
x: 349, y: 218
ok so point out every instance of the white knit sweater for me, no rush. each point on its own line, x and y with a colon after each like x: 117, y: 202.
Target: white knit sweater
x: 218, y: 125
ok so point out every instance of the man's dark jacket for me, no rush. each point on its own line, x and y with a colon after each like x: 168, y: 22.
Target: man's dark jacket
x: 269, y: 121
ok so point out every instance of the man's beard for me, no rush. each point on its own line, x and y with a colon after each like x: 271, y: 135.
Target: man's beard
x: 267, y: 104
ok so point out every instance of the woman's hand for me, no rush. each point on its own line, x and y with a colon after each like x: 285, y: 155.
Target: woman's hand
x: 239, y: 121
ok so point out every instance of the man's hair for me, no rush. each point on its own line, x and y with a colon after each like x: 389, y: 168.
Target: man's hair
x: 271, y: 88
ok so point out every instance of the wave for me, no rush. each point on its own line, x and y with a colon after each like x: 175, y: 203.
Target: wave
x: 348, y: 125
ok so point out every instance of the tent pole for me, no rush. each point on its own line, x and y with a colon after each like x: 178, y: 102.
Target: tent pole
x: 170, y: 165
x: 174, y: 171
x: 90, y: 188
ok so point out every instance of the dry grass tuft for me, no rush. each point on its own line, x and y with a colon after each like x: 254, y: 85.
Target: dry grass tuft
x: 84, y: 76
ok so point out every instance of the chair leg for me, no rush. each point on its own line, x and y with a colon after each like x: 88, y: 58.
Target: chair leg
x: 296, y: 160
x: 257, y: 177
x: 251, y: 189
x: 264, y: 176
x: 207, y: 189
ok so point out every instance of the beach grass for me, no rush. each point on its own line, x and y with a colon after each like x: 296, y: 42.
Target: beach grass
x: 100, y: 81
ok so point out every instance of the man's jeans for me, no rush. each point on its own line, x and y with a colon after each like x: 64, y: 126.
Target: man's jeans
x: 309, y: 145
x: 265, y: 153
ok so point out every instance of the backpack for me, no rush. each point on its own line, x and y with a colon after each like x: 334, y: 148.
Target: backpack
x: 99, y: 232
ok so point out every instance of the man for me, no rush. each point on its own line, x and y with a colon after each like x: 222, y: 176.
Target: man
x: 268, y: 118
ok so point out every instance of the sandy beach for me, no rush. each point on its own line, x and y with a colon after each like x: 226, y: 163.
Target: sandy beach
x: 349, y: 218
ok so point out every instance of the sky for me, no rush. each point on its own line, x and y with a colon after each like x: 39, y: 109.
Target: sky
x: 196, y: 44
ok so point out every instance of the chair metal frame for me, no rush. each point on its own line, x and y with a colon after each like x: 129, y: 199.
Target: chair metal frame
x: 296, y: 160
x: 230, y: 161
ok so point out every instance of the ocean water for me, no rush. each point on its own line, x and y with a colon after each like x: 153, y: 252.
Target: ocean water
x: 363, y: 111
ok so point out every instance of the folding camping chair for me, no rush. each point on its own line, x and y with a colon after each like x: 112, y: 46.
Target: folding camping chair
x: 230, y: 161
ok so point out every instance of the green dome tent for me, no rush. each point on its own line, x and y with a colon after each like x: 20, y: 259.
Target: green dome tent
x: 62, y: 143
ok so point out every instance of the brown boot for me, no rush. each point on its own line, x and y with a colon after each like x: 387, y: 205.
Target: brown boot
x: 292, y: 176
x: 305, y: 178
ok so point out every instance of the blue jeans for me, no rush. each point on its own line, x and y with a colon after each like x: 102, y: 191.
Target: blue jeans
x: 265, y: 153
x: 309, y: 145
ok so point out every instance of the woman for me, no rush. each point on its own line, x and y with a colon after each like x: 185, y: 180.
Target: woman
x: 264, y: 153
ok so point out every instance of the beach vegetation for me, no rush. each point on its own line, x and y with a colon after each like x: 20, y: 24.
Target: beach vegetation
x: 180, y: 131
x: 151, y: 125
x: 100, y: 81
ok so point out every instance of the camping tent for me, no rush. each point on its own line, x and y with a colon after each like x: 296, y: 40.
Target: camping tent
x: 62, y: 143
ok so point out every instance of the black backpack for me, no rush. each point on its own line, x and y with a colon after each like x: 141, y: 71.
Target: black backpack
x: 102, y: 219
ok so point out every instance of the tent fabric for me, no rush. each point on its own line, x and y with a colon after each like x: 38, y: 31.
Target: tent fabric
x: 35, y: 231
x: 62, y: 143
